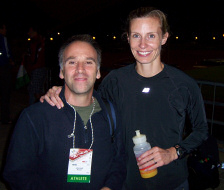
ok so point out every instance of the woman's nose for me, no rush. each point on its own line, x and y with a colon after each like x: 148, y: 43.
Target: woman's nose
x: 143, y: 43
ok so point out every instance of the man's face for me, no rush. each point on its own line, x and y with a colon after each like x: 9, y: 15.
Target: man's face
x: 80, y: 68
x: 3, y: 30
x: 145, y: 39
x: 32, y: 33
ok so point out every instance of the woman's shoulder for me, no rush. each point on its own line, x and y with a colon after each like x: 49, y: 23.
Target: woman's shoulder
x: 122, y: 71
x: 179, y: 77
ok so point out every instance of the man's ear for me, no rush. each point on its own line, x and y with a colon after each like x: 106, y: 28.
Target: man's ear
x: 98, y: 75
x: 165, y: 37
x: 61, y: 74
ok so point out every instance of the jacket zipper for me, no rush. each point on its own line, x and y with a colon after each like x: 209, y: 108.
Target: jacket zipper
x: 85, y: 133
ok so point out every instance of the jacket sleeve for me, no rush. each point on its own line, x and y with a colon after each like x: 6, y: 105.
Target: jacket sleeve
x: 21, y: 169
x: 197, y: 117
x: 117, y: 174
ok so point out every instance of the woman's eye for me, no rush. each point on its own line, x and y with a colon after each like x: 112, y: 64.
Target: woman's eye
x: 135, y: 36
x: 151, y: 36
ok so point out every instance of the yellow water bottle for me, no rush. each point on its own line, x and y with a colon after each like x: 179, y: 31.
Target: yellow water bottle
x: 141, y: 146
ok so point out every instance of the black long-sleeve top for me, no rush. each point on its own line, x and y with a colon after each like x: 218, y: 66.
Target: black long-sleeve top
x: 157, y: 106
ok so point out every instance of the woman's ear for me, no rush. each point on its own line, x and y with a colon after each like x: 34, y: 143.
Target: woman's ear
x: 165, y: 37
x: 128, y: 38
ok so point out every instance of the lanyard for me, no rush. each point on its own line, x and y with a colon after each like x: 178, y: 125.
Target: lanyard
x: 73, y: 132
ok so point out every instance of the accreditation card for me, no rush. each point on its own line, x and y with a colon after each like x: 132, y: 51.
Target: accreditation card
x: 79, y: 165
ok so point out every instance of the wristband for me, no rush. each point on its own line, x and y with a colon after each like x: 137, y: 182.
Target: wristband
x: 181, y: 152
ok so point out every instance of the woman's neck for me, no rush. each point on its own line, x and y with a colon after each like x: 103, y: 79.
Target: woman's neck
x: 150, y: 69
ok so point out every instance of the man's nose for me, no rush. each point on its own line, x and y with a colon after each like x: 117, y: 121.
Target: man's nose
x: 80, y: 68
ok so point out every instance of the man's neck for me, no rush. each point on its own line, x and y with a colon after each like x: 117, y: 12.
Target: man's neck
x: 81, y: 100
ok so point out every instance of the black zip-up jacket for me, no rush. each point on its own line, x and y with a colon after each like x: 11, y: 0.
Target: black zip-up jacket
x: 39, y: 150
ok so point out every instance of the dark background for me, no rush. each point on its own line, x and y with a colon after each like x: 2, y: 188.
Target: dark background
x: 106, y: 18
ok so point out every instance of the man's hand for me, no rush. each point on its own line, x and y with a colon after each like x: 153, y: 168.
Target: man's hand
x: 105, y: 188
x: 52, y: 97
x: 157, y: 157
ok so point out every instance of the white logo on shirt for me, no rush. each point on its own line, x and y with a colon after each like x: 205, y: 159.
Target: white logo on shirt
x: 146, y: 90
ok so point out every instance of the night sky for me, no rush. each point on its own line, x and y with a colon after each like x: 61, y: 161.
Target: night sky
x: 105, y: 19
x: 97, y: 16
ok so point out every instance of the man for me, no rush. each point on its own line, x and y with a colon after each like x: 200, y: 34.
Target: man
x: 5, y: 75
x: 35, y: 64
x: 69, y: 148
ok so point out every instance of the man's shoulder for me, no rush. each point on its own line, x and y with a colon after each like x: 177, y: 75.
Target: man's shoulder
x: 1, y: 36
x: 1, y: 41
x: 39, y: 108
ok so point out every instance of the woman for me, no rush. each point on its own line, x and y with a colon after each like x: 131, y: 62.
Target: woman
x: 154, y: 98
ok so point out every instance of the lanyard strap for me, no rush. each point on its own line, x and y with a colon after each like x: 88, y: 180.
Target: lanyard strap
x: 73, y: 131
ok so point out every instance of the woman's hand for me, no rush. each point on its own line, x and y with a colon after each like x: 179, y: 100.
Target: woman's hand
x: 156, y: 157
x: 52, y: 97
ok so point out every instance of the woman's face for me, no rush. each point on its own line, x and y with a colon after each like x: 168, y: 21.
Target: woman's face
x: 145, y: 39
